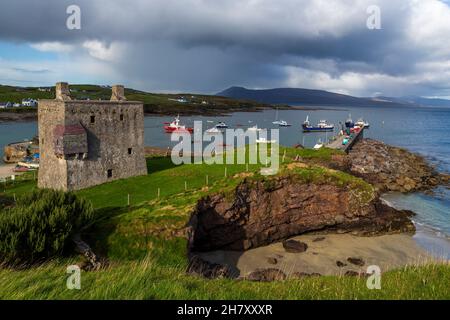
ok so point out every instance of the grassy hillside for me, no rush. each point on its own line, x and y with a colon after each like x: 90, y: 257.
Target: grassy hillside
x: 146, y: 248
x: 153, y: 103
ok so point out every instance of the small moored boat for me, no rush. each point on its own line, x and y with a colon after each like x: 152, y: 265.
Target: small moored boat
x: 322, y: 126
x: 221, y: 125
x: 283, y: 123
x: 349, y: 122
x: 362, y: 124
x: 214, y: 130
x: 21, y: 169
x: 255, y: 128
x: 29, y: 165
x: 265, y: 141
x: 318, y: 145
x: 175, y: 126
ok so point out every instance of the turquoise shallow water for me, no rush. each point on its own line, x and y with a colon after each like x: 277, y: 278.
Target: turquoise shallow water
x: 422, y: 130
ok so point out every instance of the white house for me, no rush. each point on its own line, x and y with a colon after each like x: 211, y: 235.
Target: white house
x: 29, y: 102
x: 4, y: 105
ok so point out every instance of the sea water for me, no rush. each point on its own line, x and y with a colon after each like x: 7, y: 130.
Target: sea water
x: 424, y: 130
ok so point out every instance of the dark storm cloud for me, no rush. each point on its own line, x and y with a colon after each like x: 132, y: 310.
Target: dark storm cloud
x: 208, y: 45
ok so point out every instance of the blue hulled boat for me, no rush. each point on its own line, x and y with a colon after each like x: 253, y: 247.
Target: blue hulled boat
x: 322, y: 126
x: 349, y: 122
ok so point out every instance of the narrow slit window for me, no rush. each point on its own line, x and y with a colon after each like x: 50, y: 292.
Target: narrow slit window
x: 110, y: 173
x: 92, y: 119
x: 130, y: 150
x: 121, y: 117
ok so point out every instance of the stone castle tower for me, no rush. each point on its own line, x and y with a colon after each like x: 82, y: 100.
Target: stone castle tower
x: 86, y: 143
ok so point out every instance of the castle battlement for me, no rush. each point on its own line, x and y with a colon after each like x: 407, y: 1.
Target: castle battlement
x: 86, y: 143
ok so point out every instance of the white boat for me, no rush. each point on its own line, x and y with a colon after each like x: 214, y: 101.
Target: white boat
x: 283, y: 123
x: 362, y: 124
x: 213, y: 131
x: 29, y: 165
x: 318, y: 145
x: 279, y: 122
x: 221, y: 125
x: 264, y: 140
x: 255, y: 128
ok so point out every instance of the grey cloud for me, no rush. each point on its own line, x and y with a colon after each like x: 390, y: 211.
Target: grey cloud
x: 35, y: 71
x: 208, y: 45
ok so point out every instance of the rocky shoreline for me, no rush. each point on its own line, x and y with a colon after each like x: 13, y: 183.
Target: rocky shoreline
x: 391, y: 168
x: 259, y: 213
x: 18, y: 116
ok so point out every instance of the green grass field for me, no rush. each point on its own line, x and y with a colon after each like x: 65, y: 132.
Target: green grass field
x: 147, y: 253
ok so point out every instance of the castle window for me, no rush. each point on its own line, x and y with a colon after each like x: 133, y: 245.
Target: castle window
x: 92, y: 119
x: 110, y: 173
x: 130, y: 150
x: 121, y: 117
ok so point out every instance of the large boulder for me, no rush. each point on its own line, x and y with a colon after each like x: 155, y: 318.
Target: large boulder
x: 198, y: 266
x: 293, y: 246
x: 266, y: 275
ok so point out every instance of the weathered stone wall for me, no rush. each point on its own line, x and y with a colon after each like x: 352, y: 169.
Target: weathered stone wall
x: 52, y: 170
x: 114, y: 129
x: 117, y: 127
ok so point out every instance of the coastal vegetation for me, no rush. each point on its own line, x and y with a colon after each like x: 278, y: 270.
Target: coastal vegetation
x: 40, y: 225
x: 154, y: 103
x: 145, y: 244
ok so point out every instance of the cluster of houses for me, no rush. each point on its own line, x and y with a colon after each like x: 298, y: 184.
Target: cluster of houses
x: 186, y: 100
x: 25, y: 103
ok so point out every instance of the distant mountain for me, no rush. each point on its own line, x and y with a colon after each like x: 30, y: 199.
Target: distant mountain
x: 426, y: 102
x: 295, y: 96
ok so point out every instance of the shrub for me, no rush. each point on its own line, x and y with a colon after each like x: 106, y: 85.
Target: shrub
x: 41, y: 225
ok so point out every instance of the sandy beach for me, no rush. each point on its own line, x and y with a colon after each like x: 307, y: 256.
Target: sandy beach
x: 387, y: 252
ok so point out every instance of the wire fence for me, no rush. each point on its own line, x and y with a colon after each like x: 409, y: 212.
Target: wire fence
x: 17, y: 178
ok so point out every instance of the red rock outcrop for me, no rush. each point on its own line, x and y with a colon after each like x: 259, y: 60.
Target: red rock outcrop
x: 261, y: 212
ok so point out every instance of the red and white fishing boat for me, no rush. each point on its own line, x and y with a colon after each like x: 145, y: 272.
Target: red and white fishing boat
x: 175, y: 126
